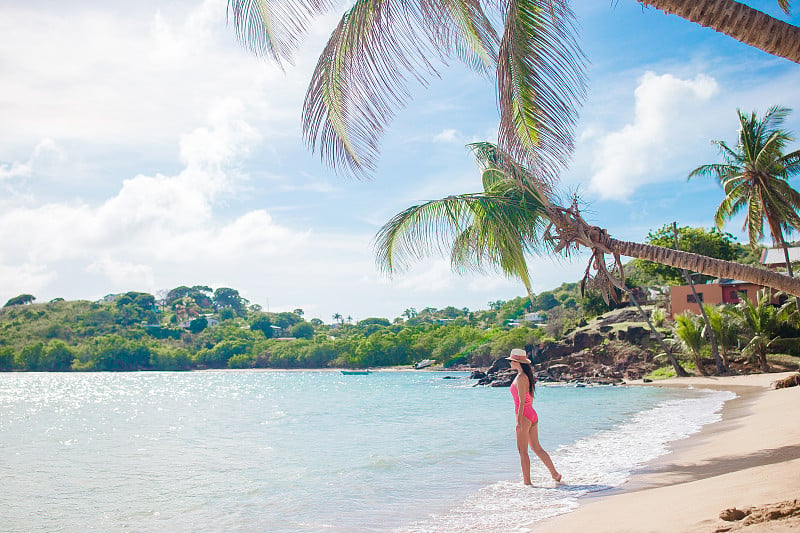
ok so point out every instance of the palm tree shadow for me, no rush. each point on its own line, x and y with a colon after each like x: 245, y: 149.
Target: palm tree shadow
x: 678, y: 474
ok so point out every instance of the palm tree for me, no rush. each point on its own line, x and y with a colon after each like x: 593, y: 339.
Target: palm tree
x: 760, y: 323
x: 743, y: 23
x: 494, y: 228
x: 689, y: 329
x: 755, y: 177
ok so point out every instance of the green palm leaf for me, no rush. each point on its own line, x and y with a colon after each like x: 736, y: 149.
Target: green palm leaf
x: 362, y: 77
x: 541, y: 82
x: 491, y: 230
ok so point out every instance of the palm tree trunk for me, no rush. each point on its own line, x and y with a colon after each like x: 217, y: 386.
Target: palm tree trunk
x: 762, y: 357
x: 743, y: 23
x: 705, y: 265
x: 709, y: 330
x: 698, y: 362
x: 679, y: 370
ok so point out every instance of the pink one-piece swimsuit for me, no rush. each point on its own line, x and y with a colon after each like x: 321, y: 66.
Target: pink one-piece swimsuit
x: 527, y: 411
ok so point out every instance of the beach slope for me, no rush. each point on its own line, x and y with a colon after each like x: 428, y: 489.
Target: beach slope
x: 751, y: 458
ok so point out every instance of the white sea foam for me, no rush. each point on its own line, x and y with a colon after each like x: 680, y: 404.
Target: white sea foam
x: 595, y: 463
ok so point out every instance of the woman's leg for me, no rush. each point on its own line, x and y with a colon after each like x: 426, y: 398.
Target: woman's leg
x: 533, y: 438
x: 522, y: 448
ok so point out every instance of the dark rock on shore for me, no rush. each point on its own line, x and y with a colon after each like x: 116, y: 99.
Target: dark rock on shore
x: 603, y: 356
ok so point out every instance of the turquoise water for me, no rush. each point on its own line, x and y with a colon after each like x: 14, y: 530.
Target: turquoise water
x: 312, y: 451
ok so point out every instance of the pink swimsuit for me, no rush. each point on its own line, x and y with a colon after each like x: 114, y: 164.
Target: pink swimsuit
x: 527, y: 410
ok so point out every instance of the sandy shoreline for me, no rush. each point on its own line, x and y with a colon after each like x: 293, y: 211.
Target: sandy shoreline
x: 750, y: 458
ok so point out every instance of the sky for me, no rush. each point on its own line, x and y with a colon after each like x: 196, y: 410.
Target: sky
x: 142, y: 148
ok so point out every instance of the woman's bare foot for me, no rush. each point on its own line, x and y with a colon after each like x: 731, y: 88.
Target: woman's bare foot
x: 557, y: 478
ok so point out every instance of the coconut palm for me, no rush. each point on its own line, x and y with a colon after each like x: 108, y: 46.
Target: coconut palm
x: 689, y: 330
x: 494, y: 228
x: 755, y: 177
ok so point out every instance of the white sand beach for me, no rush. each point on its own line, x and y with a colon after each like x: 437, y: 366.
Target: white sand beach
x: 751, y: 458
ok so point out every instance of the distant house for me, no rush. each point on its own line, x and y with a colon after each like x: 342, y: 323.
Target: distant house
x: 773, y: 257
x: 724, y: 291
x: 535, y: 317
x: 109, y: 298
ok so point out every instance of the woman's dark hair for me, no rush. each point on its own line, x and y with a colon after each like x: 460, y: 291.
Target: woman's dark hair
x: 526, y: 367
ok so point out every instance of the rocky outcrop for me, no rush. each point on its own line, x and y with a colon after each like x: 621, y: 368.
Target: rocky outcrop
x: 586, y: 357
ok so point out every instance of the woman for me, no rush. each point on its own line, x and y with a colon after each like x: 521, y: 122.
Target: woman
x: 527, y: 419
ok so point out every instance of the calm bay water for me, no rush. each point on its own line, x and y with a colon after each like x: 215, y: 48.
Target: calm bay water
x: 312, y: 451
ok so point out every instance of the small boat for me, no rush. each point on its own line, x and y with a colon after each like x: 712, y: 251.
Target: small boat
x: 424, y: 363
x: 355, y: 372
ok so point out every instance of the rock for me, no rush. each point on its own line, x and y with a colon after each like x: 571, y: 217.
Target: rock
x: 558, y: 371
x: 451, y: 377
x: 583, y: 340
x: 636, y: 334
x: 731, y: 515
x: 477, y: 374
x: 502, y: 382
x: 647, y: 380
x: 498, y: 365
x: 548, y: 351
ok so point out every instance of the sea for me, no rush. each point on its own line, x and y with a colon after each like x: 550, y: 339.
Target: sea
x: 314, y: 451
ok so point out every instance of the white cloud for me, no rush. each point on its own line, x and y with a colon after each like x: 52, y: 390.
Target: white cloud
x: 93, y: 75
x: 27, y: 278
x: 666, y: 113
x: 447, y: 136
x: 122, y: 273
x: 44, y: 153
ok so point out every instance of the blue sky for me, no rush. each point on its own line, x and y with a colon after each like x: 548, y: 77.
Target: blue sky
x: 141, y: 148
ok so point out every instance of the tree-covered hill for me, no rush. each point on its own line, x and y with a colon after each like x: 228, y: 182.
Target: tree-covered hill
x: 197, y: 327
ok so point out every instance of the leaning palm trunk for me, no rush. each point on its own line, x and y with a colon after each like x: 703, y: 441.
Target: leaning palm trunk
x: 569, y: 229
x: 698, y: 362
x: 720, y: 366
x: 679, y: 370
x: 743, y: 23
x: 706, y: 265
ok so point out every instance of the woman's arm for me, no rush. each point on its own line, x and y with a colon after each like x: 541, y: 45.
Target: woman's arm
x: 522, y: 385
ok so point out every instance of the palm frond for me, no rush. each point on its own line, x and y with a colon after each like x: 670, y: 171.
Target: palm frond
x: 791, y: 164
x: 490, y: 156
x: 541, y: 83
x: 273, y: 28
x: 715, y: 170
x: 431, y: 228
x: 363, y: 75
x: 754, y: 221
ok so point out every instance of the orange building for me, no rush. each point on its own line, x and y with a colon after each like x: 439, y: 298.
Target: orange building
x: 726, y: 291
